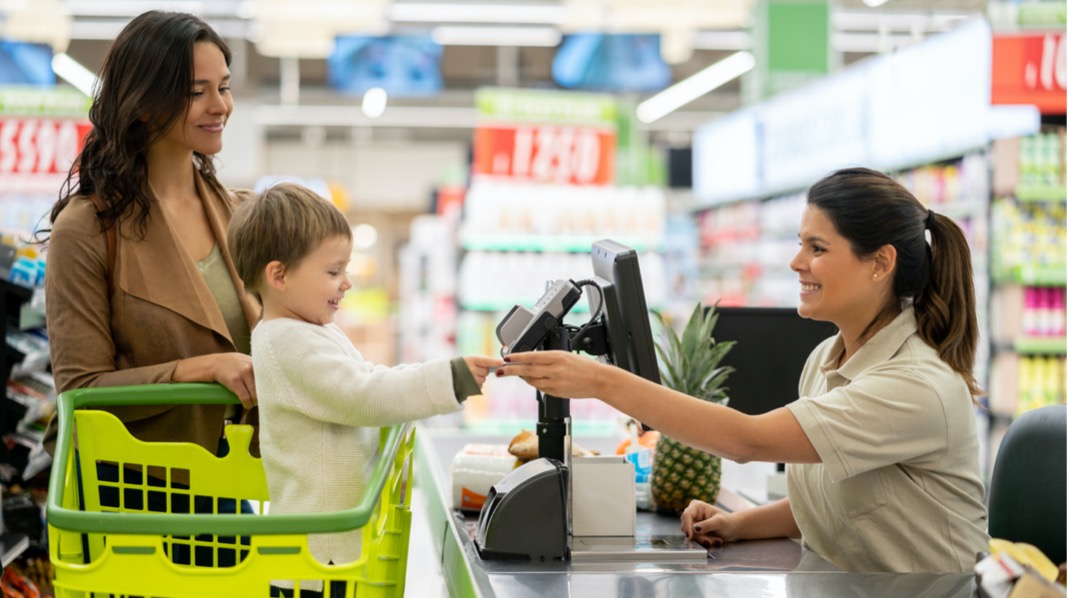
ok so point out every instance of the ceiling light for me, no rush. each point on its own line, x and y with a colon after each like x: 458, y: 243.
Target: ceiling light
x: 307, y: 29
x: 450, y: 35
x: 695, y: 86
x: 41, y: 22
x: 541, y: 14
x: 71, y: 71
x: 364, y: 236
x: 374, y: 102
x: 895, y: 21
x: 874, y: 43
x: 875, y: 3
x: 129, y: 8
x: 722, y: 40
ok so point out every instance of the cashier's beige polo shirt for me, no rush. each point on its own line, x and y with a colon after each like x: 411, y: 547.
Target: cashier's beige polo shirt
x: 898, y: 488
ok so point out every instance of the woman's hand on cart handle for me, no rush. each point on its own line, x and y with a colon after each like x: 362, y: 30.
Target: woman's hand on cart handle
x: 232, y: 370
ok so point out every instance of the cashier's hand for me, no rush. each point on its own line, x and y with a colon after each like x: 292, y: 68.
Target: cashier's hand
x: 480, y: 366
x: 707, y: 525
x: 558, y: 373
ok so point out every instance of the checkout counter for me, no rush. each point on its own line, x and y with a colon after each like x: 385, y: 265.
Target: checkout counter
x: 778, y: 567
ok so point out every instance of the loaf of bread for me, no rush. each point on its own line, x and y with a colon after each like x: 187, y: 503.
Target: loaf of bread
x: 525, y: 447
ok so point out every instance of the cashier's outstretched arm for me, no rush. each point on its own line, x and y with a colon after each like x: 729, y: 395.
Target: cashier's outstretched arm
x: 775, y: 436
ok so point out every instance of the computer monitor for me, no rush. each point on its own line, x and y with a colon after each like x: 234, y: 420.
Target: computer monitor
x: 613, y: 62
x: 772, y: 346
x: 404, y: 66
x: 626, y: 315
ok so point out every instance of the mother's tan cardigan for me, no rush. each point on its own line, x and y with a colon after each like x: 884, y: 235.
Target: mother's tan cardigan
x: 160, y: 311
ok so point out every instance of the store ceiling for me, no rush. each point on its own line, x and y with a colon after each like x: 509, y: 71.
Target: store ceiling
x: 858, y: 30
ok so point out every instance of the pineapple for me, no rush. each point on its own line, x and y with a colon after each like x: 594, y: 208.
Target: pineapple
x: 690, y: 365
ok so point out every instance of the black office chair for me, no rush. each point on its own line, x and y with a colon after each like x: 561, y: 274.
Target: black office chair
x: 1027, y: 489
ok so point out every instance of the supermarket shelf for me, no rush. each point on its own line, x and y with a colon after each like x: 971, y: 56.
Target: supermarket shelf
x: 1035, y: 276
x: 961, y: 209
x: 530, y: 242
x: 12, y: 546
x: 1040, y: 193
x: 1036, y: 345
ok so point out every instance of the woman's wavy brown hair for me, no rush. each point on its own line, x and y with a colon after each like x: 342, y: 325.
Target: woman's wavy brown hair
x: 144, y: 88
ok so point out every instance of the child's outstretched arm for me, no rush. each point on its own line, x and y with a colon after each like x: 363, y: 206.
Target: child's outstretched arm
x: 318, y: 372
x: 469, y: 373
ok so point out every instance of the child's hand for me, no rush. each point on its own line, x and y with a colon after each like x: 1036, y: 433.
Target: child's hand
x: 480, y: 366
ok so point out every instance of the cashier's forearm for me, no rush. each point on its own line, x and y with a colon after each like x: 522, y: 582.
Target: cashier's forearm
x: 774, y: 437
x: 773, y: 520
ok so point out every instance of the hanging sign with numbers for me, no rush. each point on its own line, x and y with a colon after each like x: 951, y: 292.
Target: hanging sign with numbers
x: 42, y: 130
x: 39, y: 145
x: 545, y: 136
x: 1029, y: 68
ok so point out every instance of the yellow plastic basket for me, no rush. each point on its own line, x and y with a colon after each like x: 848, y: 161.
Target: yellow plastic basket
x: 125, y: 550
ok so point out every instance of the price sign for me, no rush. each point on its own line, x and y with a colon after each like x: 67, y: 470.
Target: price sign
x: 561, y: 154
x: 1030, y: 69
x: 40, y: 145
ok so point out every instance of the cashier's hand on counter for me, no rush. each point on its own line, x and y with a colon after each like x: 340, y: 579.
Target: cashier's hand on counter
x: 707, y: 525
x: 559, y: 373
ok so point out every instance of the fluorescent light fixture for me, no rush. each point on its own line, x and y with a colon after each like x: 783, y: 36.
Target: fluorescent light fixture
x: 895, y: 21
x: 722, y: 40
x: 374, y: 102
x: 71, y: 71
x: 96, y: 29
x: 541, y: 14
x: 695, y: 86
x: 875, y: 3
x: 450, y: 35
x: 130, y: 8
x: 870, y: 42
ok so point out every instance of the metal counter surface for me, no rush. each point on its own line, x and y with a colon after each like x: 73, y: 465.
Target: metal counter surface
x: 754, y: 568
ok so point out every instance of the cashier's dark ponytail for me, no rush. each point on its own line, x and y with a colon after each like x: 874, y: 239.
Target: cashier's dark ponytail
x: 871, y: 210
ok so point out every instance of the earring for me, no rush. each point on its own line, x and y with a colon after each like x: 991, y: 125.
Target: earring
x: 874, y: 276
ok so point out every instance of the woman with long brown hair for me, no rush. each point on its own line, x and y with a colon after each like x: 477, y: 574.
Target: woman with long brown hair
x: 140, y: 285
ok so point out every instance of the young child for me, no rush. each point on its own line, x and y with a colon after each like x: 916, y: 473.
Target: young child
x: 321, y: 403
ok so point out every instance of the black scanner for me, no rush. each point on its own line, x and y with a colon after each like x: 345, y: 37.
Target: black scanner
x: 533, y: 492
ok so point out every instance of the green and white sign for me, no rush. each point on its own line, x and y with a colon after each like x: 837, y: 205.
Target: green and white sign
x: 791, y: 44
x: 545, y: 106
x: 17, y: 100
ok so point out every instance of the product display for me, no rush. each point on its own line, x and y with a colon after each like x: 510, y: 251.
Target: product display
x: 1028, y: 276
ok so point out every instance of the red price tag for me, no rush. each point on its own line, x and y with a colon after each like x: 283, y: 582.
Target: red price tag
x: 546, y: 154
x: 40, y: 145
x: 1030, y: 69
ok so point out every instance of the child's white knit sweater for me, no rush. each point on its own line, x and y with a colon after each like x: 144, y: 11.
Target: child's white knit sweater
x: 321, y: 405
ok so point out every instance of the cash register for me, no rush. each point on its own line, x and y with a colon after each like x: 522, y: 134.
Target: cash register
x: 527, y: 514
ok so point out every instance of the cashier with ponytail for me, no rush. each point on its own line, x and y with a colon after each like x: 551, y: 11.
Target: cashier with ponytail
x: 882, y: 448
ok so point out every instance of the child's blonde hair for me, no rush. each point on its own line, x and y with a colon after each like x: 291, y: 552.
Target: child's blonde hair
x: 285, y: 223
